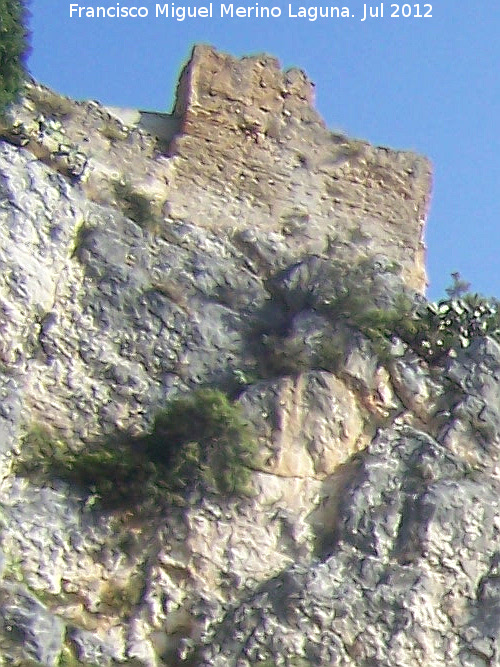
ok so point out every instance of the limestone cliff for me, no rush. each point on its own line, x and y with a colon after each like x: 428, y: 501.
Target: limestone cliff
x: 251, y: 250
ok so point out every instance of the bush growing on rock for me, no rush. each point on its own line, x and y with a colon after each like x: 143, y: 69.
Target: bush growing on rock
x: 370, y: 298
x: 200, y: 439
x: 204, y: 438
x: 433, y: 330
x: 112, y: 471
x: 13, y: 50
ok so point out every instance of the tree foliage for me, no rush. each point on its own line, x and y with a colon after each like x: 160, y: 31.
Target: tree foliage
x: 13, y: 50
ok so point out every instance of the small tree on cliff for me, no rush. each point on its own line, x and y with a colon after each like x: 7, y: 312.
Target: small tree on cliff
x: 458, y: 288
x: 13, y: 50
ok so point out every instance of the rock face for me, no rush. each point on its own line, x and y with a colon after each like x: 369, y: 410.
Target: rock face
x: 133, y: 271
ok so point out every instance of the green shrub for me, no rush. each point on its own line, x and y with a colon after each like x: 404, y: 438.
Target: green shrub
x: 13, y: 50
x: 204, y: 438
x: 366, y: 297
x: 198, y: 439
x: 113, y: 472
x: 116, y: 476
x: 431, y: 330
x: 451, y: 324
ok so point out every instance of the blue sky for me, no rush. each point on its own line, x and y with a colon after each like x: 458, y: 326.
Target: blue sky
x: 426, y: 84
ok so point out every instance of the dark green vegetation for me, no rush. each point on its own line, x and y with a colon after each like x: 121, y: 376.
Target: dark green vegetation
x: 204, y: 436
x: 435, y: 329
x: 13, y: 50
x: 109, y: 472
x: 431, y: 330
x: 370, y: 300
x: 200, y: 440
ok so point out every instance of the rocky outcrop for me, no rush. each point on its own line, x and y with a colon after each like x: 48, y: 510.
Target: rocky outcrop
x: 132, y: 272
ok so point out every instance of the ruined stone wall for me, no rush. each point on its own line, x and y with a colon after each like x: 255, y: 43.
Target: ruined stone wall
x: 262, y: 150
x: 250, y: 155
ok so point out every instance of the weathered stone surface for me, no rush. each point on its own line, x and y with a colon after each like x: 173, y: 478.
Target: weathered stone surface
x: 310, y: 424
x: 472, y: 430
x: 420, y: 393
x: 95, y: 650
x: 411, y: 566
x: 29, y: 630
x: 257, y: 137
